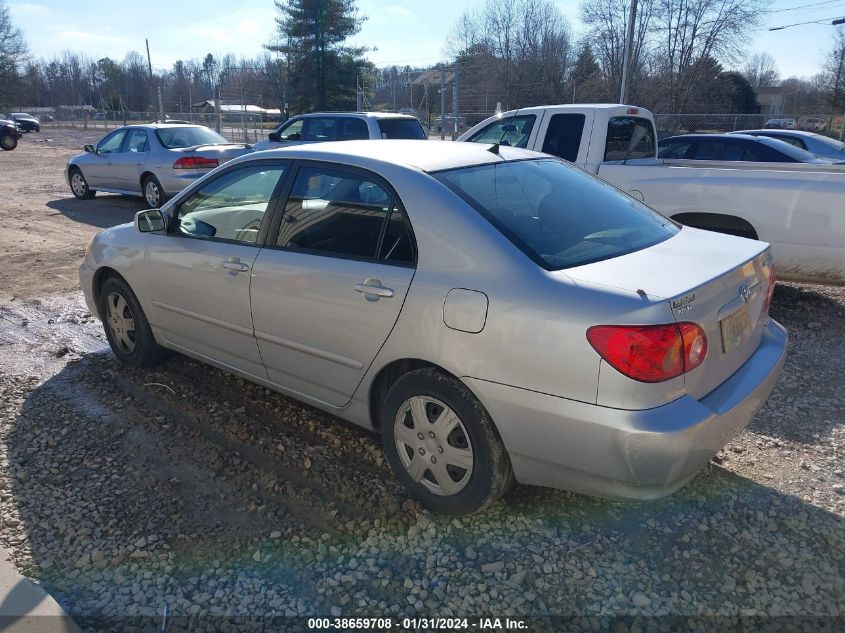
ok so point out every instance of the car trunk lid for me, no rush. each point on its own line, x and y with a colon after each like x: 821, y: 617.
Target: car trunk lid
x: 717, y: 281
x: 208, y: 154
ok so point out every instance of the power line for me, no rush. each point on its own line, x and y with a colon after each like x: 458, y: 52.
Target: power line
x: 805, y: 6
x: 822, y: 21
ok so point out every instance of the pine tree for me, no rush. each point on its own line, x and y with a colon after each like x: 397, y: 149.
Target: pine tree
x: 322, y: 69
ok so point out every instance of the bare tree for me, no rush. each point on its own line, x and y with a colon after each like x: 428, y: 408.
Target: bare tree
x: 607, y: 25
x: 518, y: 51
x: 13, y: 52
x: 761, y: 71
x: 834, y: 71
x: 689, y: 31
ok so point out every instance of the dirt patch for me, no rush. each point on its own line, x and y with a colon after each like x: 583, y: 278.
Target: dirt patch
x: 45, y: 229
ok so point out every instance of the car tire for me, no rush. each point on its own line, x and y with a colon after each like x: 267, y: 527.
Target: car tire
x: 126, y: 326
x: 474, y: 469
x: 79, y: 186
x: 153, y: 193
x: 8, y: 142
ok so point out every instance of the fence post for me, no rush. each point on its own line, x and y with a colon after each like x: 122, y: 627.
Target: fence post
x: 442, y: 102
x: 455, y: 107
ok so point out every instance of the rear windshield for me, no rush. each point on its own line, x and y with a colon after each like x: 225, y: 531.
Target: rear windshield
x: 556, y: 214
x: 629, y: 137
x: 176, y: 137
x: 795, y: 153
x: 401, y: 128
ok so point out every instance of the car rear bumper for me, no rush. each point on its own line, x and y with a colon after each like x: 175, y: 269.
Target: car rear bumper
x: 618, y: 453
x: 174, y: 181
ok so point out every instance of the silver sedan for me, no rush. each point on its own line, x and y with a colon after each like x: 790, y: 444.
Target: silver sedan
x: 155, y: 161
x: 494, y: 313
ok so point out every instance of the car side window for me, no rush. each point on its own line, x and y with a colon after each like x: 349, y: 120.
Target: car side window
x: 292, y: 131
x: 137, y: 141
x: 675, y: 149
x: 111, y: 144
x: 340, y: 213
x: 513, y: 131
x: 563, y: 136
x: 232, y: 206
x: 353, y: 129
x: 320, y: 129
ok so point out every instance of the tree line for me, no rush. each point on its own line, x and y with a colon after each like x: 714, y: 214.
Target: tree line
x: 686, y: 58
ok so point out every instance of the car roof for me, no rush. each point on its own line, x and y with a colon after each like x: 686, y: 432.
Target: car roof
x: 699, y: 136
x: 158, y: 126
x: 424, y: 155
x: 796, y: 132
x: 371, y: 115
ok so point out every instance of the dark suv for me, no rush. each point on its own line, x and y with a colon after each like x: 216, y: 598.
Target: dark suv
x: 26, y: 122
x: 9, y: 135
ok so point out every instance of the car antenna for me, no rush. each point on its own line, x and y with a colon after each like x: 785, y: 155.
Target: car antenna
x: 494, y: 148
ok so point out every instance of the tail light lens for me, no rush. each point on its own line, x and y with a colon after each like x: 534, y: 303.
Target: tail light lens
x: 650, y: 353
x: 196, y: 162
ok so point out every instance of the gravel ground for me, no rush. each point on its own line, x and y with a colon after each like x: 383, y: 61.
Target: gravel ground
x: 126, y: 491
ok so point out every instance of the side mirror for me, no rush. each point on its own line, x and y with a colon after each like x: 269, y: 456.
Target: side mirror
x: 90, y: 149
x: 273, y: 136
x: 150, y: 221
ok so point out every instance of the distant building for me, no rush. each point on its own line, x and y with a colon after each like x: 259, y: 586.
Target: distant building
x: 770, y: 100
x: 233, y: 111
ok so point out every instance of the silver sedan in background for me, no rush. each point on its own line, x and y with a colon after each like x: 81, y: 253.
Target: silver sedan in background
x: 494, y: 313
x: 155, y: 161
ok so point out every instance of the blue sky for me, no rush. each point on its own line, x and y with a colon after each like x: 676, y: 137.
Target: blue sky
x: 404, y: 32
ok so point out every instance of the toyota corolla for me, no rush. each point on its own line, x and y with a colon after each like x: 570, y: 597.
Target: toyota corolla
x: 494, y: 313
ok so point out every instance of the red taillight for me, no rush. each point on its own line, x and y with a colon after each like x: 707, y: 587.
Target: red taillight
x: 633, y: 111
x: 196, y: 162
x: 650, y: 353
x: 770, y: 291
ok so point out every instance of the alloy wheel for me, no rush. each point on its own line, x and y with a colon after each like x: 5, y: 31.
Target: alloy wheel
x: 152, y: 194
x: 77, y: 183
x: 121, y: 322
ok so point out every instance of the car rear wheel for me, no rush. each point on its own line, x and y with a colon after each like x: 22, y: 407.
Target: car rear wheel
x: 153, y: 193
x: 126, y: 325
x: 442, y: 444
x: 8, y: 142
x: 79, y: 186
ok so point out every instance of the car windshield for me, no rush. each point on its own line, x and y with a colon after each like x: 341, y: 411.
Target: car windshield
x: 177, y: 137
x: 795, y: 153
x: 21, y: 115
x: 401, y: 128
x: 556, y: 214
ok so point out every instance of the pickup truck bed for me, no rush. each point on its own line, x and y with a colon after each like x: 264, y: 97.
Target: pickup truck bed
x: 798, y: 208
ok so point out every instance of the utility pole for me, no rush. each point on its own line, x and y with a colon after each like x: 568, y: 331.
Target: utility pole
x: 152, y: 82
x: 455, y: 108
x: 442, y: 102
x: 394, y: 88
x: 626, y: 58
x: 359, y: 95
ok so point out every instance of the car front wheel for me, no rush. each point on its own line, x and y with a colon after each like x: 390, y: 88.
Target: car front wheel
x: 79, y: 186
x: 442, y: 444
x: 126, y: 325
x: 8, y: 142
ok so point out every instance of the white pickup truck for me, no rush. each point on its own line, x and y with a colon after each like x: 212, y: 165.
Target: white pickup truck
x: 798, y: 208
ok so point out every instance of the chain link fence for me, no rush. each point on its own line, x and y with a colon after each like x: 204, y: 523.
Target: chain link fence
x: 672, y: 124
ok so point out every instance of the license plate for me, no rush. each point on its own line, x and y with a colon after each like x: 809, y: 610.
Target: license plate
x: 736, y: 328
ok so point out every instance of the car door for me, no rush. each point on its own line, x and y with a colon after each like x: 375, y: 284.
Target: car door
x: 98, y: 167
x: 128, y: 165
x: 199, y: 273
x: 326, y: 292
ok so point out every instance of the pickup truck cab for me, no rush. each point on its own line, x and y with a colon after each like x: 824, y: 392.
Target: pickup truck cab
x: 797, y: 208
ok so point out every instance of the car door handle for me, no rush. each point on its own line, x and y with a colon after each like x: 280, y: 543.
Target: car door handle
x: 233, y: 263
x: 373, y: 290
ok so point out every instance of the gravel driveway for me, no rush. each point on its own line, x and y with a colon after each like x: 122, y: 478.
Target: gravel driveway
x: 127, y: 491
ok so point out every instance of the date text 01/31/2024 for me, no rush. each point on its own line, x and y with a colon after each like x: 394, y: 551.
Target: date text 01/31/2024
x: 417, y: 624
